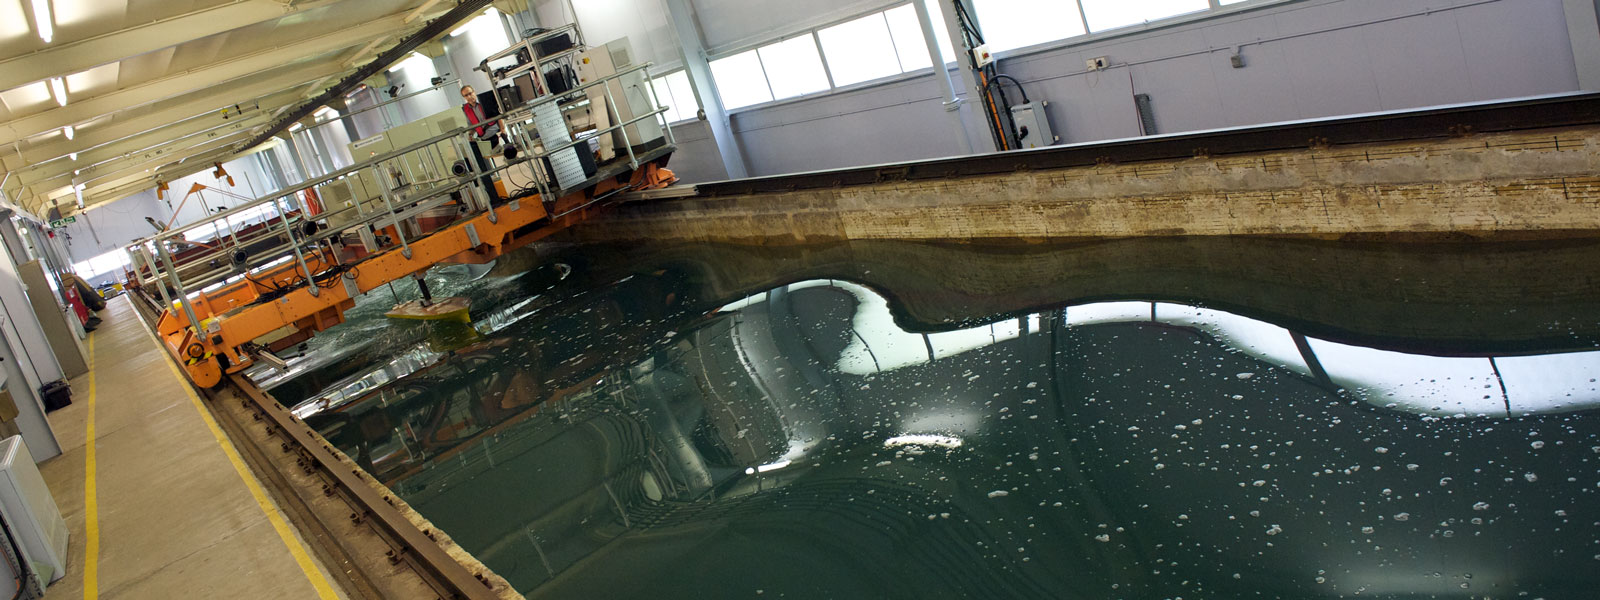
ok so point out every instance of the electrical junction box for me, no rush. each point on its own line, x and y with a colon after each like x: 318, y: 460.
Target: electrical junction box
x: 983, y: 56
x: 1098, y: 63
x: 1033, y: 126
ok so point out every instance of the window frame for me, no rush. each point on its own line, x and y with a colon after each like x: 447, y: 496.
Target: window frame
x: 1215, y: 11
x: 662, y: 78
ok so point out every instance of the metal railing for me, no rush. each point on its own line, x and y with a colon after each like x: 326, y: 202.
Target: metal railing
x: 409, y: 180
x: 518, y: 122
x: 385, y: 194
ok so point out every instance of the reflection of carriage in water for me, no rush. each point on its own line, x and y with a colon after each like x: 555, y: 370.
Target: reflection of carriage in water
x: 487, y: 386
x: 393, y: 428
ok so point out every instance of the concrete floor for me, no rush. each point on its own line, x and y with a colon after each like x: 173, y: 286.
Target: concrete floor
x: 176, y: 515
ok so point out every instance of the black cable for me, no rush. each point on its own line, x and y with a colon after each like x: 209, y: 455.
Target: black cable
x: 974, y: 39
x: 997, y: 84
x: 1014, y: 81
x: 966, y: 22
x: 14, y: 552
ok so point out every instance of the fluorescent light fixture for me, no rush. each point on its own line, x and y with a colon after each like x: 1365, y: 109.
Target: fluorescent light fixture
x: 42, y: 21
x: 768, y: 467
x: 58, y: 88
x: 943, y: 441
x: 68, y: 131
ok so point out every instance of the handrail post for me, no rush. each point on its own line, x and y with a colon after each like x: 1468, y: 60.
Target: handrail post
x: 177, y: 285
x: 655, y: 100
x: 155, y: 277
x: 474, y: 201
x: 294, y: 244
x: 633, y: 160
x: 399, y: 232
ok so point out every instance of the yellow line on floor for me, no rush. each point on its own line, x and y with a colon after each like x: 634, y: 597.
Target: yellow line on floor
x: 297, y: 549
x: 91, y: 502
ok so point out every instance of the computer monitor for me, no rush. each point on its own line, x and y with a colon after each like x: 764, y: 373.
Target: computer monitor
x: 490, y: 104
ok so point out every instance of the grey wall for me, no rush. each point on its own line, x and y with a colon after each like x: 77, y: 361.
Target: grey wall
x: 1307, y: 59
x: 1320, y: 59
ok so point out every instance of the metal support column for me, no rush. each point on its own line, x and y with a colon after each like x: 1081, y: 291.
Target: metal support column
x: 349, y: 124
x: 318, y: 146
x: 953, y: 102
x: 699, y: 69
x: 301, y: 172
x: 972, y: 116
x: 1583, y: 29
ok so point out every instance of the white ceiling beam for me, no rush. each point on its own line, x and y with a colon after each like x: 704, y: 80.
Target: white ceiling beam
x: 96, y: 163
x: 365, y: 51
x: 214, y: 74
x: 187, y: 117
x: 133, y: 176
x: 145, y: 181
x: 135, y: 168
x: 55, y: 60
x: 415, y: 14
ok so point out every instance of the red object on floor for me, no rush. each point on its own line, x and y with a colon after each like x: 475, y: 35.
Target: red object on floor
x: 78, y: 307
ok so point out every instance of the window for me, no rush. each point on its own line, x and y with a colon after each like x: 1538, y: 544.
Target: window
x: 875, y: 46
x: 772, y: 72
x: 793, y: 67
x: 860, y: 50
x: 1011, y: 24
x: 741, y: 80
x: 104, y: 268
x: 674, y: 91
x: 892, y: 42
x: 941, y: 32
x: 909, y: 42
x: 1111, y: 14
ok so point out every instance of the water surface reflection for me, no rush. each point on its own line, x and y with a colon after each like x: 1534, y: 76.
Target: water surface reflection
x: 673, y: 435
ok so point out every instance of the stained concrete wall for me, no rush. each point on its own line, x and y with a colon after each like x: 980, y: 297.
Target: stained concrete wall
x: 1533, y: 183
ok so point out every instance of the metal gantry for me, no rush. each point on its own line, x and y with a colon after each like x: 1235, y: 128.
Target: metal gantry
x: 310, y: 264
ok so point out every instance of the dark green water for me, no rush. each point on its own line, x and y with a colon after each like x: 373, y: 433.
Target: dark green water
x: 1145, y: 419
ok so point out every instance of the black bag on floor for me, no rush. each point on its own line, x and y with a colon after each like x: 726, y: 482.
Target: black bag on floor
x: 55, y: 394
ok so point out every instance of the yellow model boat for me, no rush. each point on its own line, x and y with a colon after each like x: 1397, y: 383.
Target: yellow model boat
x: 445, y: 309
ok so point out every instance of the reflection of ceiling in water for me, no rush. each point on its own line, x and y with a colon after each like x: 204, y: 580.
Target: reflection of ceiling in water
x: 1492, y: 386
x: 692, y: 430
